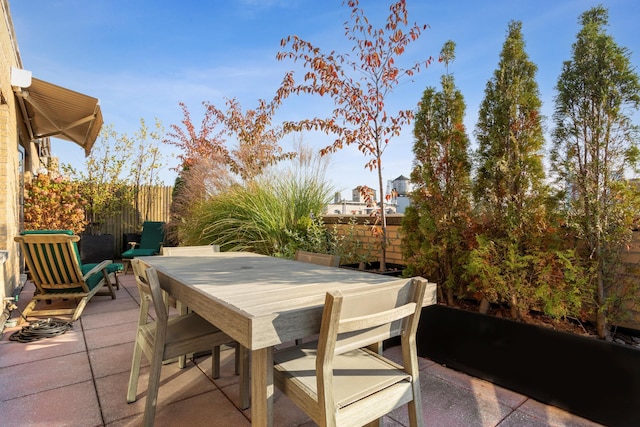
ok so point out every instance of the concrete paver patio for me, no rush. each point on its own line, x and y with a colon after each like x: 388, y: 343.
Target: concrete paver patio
x: 80, y: 379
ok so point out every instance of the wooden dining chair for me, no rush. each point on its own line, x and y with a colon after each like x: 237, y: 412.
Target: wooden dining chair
x: 167, y: 338
x: 318, y: 259
x: 339, y: 382
x: 202, y: 250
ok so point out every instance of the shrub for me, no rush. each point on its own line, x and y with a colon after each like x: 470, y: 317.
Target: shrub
x: 274, y: 214
x: 53, y: 203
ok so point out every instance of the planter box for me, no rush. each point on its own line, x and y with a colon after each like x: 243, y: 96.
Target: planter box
x: 372, y: 267
x: 96, y: 248
x: 588, y: 377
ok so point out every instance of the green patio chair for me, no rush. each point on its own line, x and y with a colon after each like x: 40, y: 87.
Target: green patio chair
x: 150, y: 242
x: 54, y: 266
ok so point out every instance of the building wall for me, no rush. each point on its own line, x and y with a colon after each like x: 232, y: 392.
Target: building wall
x: 10, y: 173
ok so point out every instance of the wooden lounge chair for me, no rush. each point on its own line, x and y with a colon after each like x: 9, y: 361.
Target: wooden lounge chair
x: 335, y: 380
x: 54, y: 265
x: 167, y: 338
x: 150, y: 242
x: 318, y: 259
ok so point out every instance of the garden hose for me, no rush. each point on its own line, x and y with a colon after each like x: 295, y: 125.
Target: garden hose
x: 40, y: 329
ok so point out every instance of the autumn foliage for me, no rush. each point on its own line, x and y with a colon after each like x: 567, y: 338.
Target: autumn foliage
x: 255, y: 140
x: 359, y: 84
x: 229, y: 146
x: 53, y: 203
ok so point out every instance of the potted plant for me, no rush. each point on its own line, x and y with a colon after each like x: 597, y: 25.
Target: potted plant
x: 114, y: 176
x: 105, y: 190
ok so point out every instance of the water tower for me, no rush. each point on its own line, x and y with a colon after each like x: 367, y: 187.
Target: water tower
x: 402, y: 184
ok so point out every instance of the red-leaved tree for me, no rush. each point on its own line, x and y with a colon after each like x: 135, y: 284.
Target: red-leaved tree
x: 255, y: 139
x: 230, y: 145
x: 359, y: 84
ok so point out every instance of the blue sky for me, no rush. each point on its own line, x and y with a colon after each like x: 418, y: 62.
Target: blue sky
x: 141, y: 58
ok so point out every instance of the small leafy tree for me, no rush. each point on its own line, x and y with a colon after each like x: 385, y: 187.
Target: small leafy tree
x: 103, y: 183
x: 359, y: 86
x: 209, y: 166
x: 257, y: 145
x: 202, y: 170
x: 145, y: 165
x: 256, y: 139
x: 116, y: 172
x: 197, y: 144
x: 52, y: 202
x: 594, y: 145
x: 436, y: 224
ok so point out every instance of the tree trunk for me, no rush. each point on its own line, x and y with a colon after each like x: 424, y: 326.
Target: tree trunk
x: 601, y: 317
x: 450, y: 297
x: 484, y: 305
x: 515, y: 311
x: 383, y: 220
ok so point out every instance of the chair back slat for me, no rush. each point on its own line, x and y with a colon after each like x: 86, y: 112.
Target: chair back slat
x: 52, y: 261
x: 370, y: 317
x: 150, y: 288
x: 203, y: 250
x: 317, y: 259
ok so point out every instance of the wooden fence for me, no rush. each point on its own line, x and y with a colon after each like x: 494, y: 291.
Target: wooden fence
x: 154, y: 204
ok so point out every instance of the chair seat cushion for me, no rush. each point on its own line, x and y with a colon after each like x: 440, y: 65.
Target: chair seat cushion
x: 132, y: 253
x: 356, y: 374
x: 94, y: 280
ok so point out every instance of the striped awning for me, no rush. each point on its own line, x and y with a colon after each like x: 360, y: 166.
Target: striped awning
x: 53, y: 111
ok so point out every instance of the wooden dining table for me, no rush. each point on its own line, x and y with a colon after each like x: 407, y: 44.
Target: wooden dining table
x: 260, y: 302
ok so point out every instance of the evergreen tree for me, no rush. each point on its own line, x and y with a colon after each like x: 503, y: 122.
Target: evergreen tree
x: 510, y: 136
x: 594, y: 145
x: 435, y: 223
x: 509, y: 192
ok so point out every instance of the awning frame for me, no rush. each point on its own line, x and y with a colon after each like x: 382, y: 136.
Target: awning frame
x: 49, y: 110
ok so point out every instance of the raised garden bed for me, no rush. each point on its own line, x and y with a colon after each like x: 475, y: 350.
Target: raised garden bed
x: 586, y: 376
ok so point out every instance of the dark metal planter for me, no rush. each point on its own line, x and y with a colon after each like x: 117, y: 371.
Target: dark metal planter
x: 588, y: 377
x: 96, y: 248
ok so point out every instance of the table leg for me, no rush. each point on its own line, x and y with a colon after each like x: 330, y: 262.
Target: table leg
x: 262, y: 387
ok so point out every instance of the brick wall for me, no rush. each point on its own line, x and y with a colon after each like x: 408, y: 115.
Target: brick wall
x: 9, y: 154
x: 363, y: 233
x: 632, y: 256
